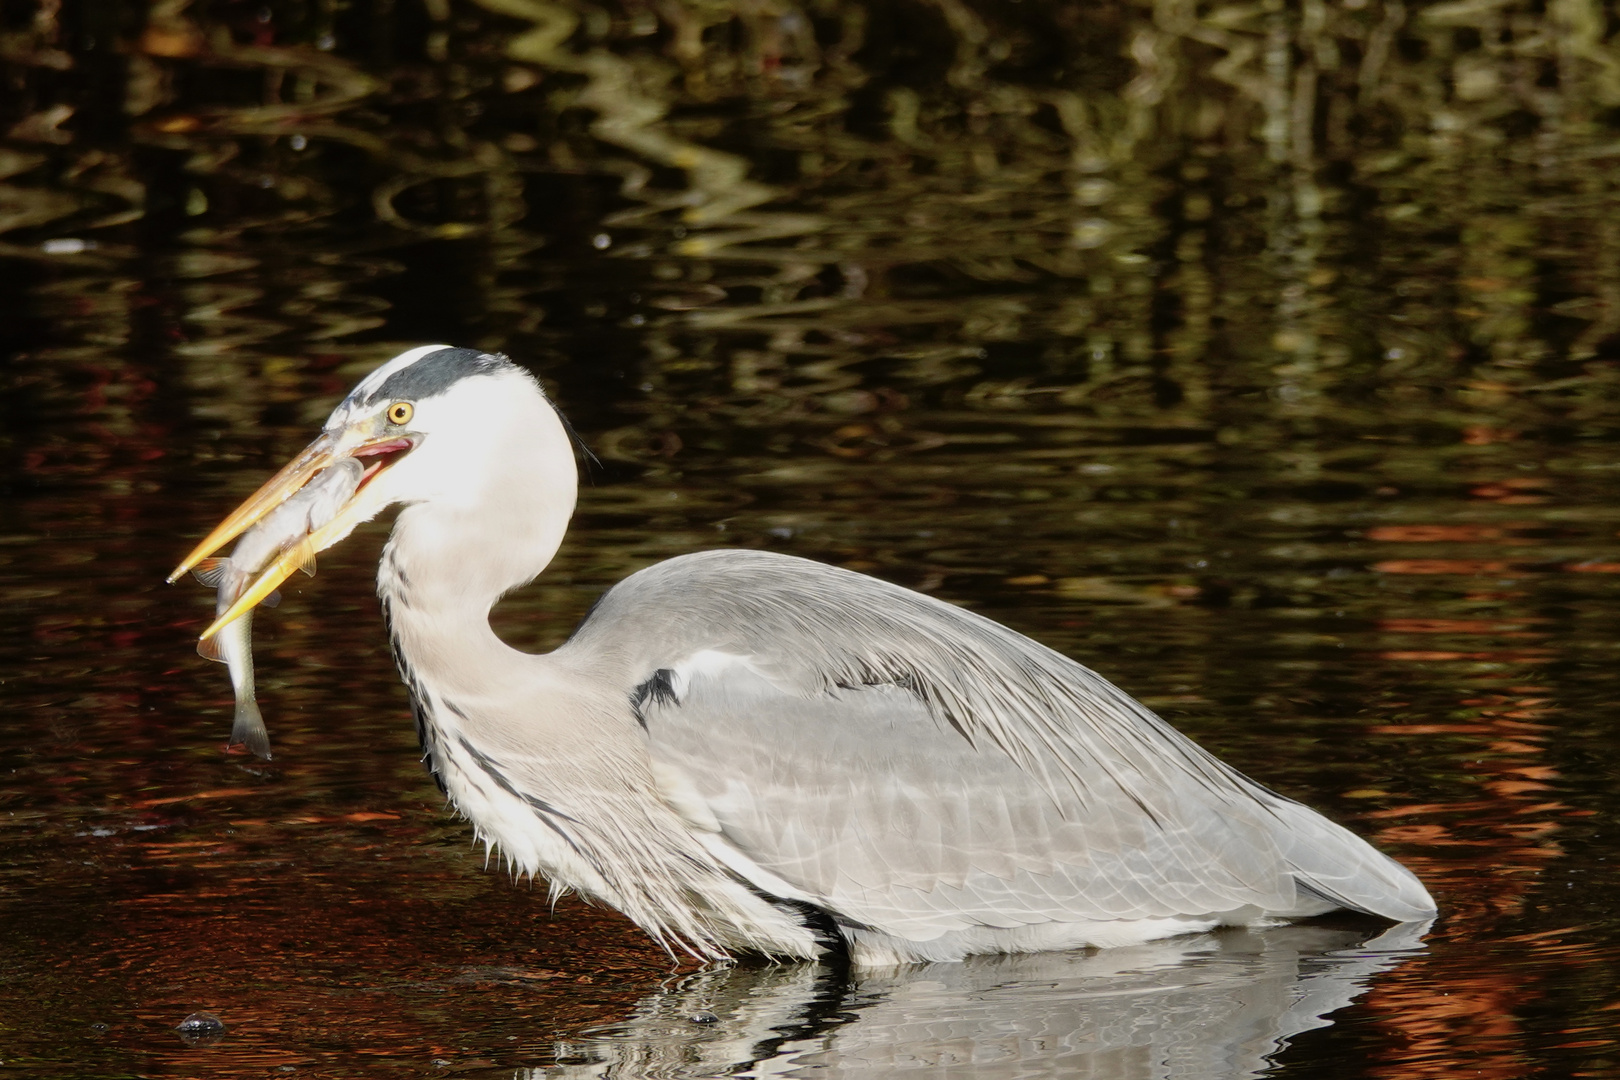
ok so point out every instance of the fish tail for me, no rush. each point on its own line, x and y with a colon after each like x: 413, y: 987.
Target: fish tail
x: 249, y: 729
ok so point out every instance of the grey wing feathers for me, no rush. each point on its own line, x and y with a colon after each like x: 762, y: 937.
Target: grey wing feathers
x: 922, y: 768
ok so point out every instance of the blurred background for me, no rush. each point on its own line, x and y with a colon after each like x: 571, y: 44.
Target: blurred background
x: 1262, y: 356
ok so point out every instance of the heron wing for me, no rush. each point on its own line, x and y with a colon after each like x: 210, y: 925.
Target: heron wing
x: 921, y: 769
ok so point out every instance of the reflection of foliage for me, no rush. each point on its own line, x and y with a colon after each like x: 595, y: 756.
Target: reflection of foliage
x: 1286, y: 311
x: 1217, y: 180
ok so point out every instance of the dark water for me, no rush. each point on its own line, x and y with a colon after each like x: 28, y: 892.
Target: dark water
x: 1264, y: 357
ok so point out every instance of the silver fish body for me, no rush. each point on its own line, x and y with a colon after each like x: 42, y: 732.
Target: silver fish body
x: 233, y: 647
x: 315, y: 505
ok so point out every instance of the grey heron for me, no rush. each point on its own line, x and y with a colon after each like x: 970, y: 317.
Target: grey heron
x: 748, y: 752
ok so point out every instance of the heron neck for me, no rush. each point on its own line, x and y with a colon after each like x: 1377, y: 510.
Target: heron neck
x: 445, y: 567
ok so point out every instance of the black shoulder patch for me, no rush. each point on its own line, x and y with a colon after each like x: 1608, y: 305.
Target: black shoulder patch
x: 437, y: 372
x: 660, y: 690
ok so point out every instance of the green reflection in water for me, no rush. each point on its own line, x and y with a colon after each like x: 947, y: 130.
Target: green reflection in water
x: 1260, y: 355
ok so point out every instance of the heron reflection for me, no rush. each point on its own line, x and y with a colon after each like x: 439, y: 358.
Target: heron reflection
x: 1217, y: 1006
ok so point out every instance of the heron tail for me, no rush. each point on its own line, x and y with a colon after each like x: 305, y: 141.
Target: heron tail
x: 1335, y: 864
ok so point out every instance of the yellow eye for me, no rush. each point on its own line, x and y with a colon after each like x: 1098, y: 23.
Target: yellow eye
x: 400, y: 412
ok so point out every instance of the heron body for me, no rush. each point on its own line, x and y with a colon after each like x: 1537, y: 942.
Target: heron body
x: 748, y: 752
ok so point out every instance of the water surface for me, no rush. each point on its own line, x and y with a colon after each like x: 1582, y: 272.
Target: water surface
x: 1262, y: 357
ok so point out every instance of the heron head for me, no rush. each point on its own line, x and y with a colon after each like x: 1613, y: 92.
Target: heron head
x: 435, y: 424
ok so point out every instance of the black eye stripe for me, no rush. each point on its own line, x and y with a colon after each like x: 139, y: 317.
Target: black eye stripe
x: 435, y: 373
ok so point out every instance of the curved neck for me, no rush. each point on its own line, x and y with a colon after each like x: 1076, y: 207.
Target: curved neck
x: 450, y: 559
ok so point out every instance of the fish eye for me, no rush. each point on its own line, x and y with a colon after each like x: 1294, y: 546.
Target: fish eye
x: 400, y: 412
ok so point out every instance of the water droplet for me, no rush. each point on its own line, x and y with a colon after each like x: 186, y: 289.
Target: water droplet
x: 601, y: 241
x: 298, y: 142
x: 704, y: 1016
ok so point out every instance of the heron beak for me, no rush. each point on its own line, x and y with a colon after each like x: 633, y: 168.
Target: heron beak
x: 277, y: 490
x: 299, y: 554
x: 325, y: 451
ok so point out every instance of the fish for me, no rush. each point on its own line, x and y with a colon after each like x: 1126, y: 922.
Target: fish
x: 312, y: 507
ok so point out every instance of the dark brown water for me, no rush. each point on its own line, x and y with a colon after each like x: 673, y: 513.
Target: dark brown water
x: 1263, y: 357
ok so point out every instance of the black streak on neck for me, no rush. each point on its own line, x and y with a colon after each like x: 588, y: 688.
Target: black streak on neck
x: 413, y: 688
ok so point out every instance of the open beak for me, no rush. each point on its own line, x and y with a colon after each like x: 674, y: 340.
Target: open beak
x: 277, y: 490
x: 320, y: 454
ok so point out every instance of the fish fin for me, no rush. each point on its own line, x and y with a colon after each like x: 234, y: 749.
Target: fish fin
x: 209, y: 571
x: 210, y: 649
x: 306, y: 561
x: 249, y: 729
x: 272, y: 600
